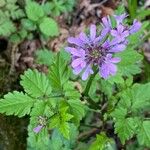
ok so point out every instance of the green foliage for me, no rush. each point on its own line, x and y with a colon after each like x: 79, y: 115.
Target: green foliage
x: 44, y: 57
x: 9, y: 12
x: 102, y: 142
x: 38, y: 20
x: 34, y: 11
x: 54, y: 106
x: 16, y: 103
x: 59, y: 73
x: 77, y: 109
x: 35, y: 84
x: 56, y: 100
x: 60, y: 121
x: 132, y: 6
x: 125, y: 128
x: 49, y: 27
x: 58, y: 142
x: 144, y: 134
x: 16, y: 21
x: 127, y: 116
x: 58, y: 6
x: 130, y: 62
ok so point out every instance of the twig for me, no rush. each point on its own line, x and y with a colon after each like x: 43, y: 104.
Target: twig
x: 96, y: 5
x: 13, y: 58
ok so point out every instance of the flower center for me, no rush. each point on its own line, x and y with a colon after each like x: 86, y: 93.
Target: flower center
x: 95, y: 54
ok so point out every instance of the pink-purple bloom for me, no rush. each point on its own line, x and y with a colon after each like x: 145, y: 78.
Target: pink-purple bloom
x: 38, y: 128
x: 98, y: 48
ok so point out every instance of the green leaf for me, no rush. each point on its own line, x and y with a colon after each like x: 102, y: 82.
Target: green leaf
x: 102, y: 142
x: 16, y: 103
x: 17, y: 14
x: 76, y: 109
x: 6, y: 28
x: 34, y: 11
x: 59, y: 73
x: 28, y: 24
x: 45, y: 57
x: 64, y: 129
x: 144, y: 134
x: 130, y: 62
x: 49, y: 27
x: 15, y: 38
x: 38, y: 141
x: 116, y: 78
x: 140, y: 96
x: 106, y: 87
x: 143, y: 13
x: 58, y: 142
x: 60, y: 121
x: 125, y: 128
x: 119, y: 113
x: 35, y: 83
x: 70, y: 91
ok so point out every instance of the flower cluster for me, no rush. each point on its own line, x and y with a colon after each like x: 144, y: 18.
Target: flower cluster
x: 98, y: 48
x: 41, y: 123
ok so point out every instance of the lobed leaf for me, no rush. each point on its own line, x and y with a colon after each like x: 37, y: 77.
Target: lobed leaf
x: 144, y: 134
x: 35, y: 83
x: 34, y: 11
x: 16, y: 103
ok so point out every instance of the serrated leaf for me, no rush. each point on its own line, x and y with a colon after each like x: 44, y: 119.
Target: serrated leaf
x: 35, y: 83
x: 129, y: 64
x: 49, y: 27
x: 34, y: 11
x: 102, y: 142
x: 16, y: 103
x: 125, y: 128
x: 119, y: 113
x: 76, y: 109
x: 106, y: 87
x: 70, y: 91
x: 59, y: 73
x: 60, y: 121
x: 144, y: 134
x: 116, y: 78
x: 140, y: 96
x: 58, y: 142
x: 64, y: 129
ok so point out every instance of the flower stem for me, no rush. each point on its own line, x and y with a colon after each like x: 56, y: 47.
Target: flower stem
x: 87, y: 89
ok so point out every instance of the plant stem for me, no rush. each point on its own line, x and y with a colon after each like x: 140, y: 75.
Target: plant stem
x: 87, y: 89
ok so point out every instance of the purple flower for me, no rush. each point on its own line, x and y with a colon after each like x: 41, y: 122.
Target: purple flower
x: 98, y: 48
x: 38, y: 128
x: 135, y: 27
x: 108, y: 67
x: 120, y: 33
x: 120, y: 18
